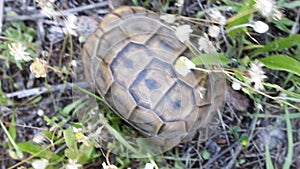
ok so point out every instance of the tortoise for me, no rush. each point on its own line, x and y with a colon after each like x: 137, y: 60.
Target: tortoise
x: 130, y: 61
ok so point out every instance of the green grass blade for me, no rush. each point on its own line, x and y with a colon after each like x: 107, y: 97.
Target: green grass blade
x: 269, y: 164
x: 282, y: 62
x: 19, y: 153
x: 288, y: 160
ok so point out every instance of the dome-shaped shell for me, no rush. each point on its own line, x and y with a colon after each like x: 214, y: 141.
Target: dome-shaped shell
x: 130, y: 59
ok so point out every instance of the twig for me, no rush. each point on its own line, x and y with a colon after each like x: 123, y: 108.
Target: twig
x: 232, y: 162
x: 64, y: 12
x: 296, y: 25
x: 214, y: 158
x: 41, y: 90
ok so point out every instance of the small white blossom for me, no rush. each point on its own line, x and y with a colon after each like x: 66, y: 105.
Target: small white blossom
x: 47, y: 7
x: 18, y: 51
x: 70, y: 24
x: 73, y: 164
x: 39, y: 68
x: 259, y: 107
x: 214, y: 31
x: 257, y: 75
x: 236, y: 85
x: 216, y: 15
x: 80, y: 137
x: 277, y: 15
x: 39, y: 138
x: 74, y: 63
x: 179, y: 3
x: 40, y: 164
x: 76, y: 130
x: 104, y: 166
x: 183, y: 32
x: 168, y: 18
x: 260, y: 27
x: 21, y: 167
x: 149, y: 166
x: 206, y: 45
x: 40, y: 112
x: 265, y: 7
x: 183, y: 65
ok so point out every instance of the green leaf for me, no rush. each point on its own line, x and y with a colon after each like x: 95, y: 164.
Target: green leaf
x: 70, y: 107
x: 135, y: 2
x: 87, y: 153
x: 37, y: 150
x: 206, y: 155
x: 18, y: 152
x: 282, y: 62
x: 35, y: 100
x: 71, y: 153
x: 244, y: 16
x: 279, y: 44
x: 120, y: 138
x: 211, y: 59
x: 280, y: 25
x: 291, y: 4
x: 70, y: 139
x: 12, y: 128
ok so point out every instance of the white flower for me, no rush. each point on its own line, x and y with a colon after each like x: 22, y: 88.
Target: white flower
x: 259, y: 107
x: 257, y: 75
x: 277, y: 15
x: 206, y: 45
x: 217, y: 16
x: 183, y: 65
x: 108, y: 166
x: 214, y: 31
x: 179, y: 3
x: 39, y: 138
x: 149, y: 166
x: 18, y: 51
x: 76, y: 130
x: 21, y: 167
x: 260, y: 27
x: 70, y: 24
x: 236, y: 85
x: 265, y: 7
x: 80, y: 137
x: 183, y: 32
x: 39, y: 68
x: 73, y: 164
x: 168, y: 18
x: 40, y: 164
x: 73, y: 63
x: 40, y: 112
x: 47, y: 7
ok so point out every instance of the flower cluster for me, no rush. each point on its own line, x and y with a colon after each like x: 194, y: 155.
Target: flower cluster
x: 257, y: 75
x: 46, y: 7
x: 268, y: 8
x: 39, y: 68
x: 18, y: 51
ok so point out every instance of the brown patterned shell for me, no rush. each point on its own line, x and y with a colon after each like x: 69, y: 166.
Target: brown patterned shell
x: 130, y: 59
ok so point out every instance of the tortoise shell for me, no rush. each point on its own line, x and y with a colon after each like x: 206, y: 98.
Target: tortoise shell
x: 130, y: 59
